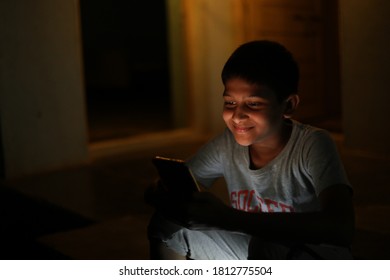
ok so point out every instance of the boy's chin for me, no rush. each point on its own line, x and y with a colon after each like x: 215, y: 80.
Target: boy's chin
x: 243, y: 142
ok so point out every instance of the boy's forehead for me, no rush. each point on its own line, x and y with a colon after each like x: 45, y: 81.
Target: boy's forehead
x: 240, y: 86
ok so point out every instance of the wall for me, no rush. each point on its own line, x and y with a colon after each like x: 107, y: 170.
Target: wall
x: 176, y: 33
x: 42, y: 110
x: 365, y: 70
x: 209, y: 43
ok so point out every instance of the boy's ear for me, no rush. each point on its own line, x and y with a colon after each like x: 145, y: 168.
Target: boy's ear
x: 292, y: 103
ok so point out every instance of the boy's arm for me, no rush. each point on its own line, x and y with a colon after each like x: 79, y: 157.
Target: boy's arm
x: 333, y: 224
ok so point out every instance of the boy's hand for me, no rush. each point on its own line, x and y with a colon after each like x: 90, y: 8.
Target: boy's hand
x: 205, y: 211
x: 171, y: 205
x: 154, y: 193
x: 201, y: 210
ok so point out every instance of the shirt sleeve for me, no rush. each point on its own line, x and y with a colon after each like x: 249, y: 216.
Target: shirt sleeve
x: 207, y: 164
x: 323, y: 162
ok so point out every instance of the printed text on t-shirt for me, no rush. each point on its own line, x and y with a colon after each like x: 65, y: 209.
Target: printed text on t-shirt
x: 249, y: 201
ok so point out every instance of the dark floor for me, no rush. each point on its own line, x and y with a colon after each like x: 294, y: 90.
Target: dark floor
x: 97, y: 211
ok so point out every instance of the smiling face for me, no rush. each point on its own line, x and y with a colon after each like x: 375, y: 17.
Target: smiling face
x: 252, y: 113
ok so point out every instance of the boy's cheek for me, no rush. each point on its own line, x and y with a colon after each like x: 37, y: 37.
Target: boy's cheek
x: 226, y: 116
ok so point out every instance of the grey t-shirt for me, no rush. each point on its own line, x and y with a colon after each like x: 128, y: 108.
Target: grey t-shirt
x: 291, y: 182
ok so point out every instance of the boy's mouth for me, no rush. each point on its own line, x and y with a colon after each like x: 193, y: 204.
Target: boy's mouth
x: 241, y: 129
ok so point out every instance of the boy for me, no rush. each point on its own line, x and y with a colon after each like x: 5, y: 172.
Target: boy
x: 289, y: 195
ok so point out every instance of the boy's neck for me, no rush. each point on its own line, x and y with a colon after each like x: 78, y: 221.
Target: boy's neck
x: 262, y: 153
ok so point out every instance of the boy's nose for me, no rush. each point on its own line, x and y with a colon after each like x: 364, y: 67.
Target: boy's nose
x: 239, y: 114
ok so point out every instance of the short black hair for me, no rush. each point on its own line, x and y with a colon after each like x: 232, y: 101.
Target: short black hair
x: 264, y: 62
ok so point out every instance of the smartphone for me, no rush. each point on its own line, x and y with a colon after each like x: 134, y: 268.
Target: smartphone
x: 175, y: 175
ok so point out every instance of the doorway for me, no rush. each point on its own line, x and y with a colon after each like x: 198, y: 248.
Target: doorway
x: 126, y: 68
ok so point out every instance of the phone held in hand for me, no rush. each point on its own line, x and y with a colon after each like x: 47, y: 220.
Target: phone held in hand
x: 175, y: 175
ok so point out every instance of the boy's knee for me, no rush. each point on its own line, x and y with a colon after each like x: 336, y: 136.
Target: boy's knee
x: 166, y: 240
x: 161, y: 228
x: 158, y: 250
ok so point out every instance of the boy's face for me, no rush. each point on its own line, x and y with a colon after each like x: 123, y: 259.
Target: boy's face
x: 252, y: 112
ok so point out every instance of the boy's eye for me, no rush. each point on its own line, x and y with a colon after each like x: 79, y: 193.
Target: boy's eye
x: 254, y: 104
x: 229, y: 104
